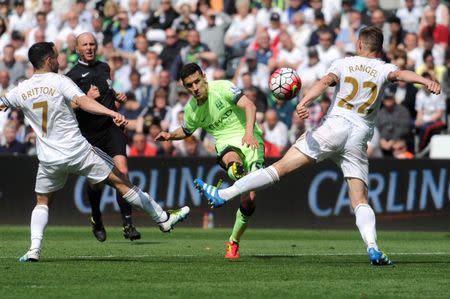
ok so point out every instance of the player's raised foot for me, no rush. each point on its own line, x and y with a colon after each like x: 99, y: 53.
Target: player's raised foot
x: 211, y: 193
x: 378, y: 258
x: 130, y: 232
x: 232, y: 250
x: 98, y: 230
x: 175, y: 216
x: 32, y: 255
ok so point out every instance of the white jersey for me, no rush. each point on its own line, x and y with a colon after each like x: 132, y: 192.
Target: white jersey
x: 45, y: 101
x: 359, y: 90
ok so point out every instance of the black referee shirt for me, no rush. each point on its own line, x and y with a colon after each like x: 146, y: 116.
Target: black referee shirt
x: 98, y: 74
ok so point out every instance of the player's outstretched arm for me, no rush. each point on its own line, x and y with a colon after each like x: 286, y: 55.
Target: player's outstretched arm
x: 177, y: 134
x: 250, y: 116
x: 92, y: 106
x: 411, y: 77
x: 316, y: 90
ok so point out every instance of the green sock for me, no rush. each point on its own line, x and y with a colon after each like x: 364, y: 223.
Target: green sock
x: 240, y: 225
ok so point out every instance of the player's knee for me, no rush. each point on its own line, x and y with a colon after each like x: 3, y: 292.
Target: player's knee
x: 247, y: 208
x: 235, y: 170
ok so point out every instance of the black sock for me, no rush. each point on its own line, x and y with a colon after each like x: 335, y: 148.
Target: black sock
x: 94, y: 196
x: 125, y: 210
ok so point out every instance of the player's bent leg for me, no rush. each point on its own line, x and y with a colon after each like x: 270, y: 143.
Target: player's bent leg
x: 143, y: 201
x: 365, y: 221
x: 129, y: 231
x: 257, y: 180
x: 243, y: 214
x: 39, y: 220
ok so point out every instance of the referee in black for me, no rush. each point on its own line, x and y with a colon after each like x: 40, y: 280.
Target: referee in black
x: 93, y: 78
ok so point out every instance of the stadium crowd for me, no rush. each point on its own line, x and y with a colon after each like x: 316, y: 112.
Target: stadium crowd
x: 145, y: 43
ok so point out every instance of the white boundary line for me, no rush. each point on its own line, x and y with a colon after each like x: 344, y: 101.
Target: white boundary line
x: 87, y: 257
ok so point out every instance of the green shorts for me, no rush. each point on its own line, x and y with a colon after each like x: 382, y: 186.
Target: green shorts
x: 252, y: 159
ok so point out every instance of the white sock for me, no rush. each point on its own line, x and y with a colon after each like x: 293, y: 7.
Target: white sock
x: 365, y: 220
x: 39, y: 219
x: 254, y: 181
x: 144, y: 202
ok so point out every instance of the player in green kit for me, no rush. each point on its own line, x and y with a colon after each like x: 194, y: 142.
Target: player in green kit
x: 228, y: 115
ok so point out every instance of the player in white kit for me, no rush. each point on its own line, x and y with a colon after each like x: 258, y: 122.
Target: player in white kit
x: 343, y: 135
x: 45, y: 99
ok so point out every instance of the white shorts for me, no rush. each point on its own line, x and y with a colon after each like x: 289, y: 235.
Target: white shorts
x: 341, y: 141
x: 94, y: 164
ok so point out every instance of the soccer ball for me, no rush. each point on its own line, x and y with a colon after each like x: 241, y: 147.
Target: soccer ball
x: 285, y: 84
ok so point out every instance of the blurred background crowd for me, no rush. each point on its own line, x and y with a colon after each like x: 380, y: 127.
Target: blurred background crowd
x: 145, y: 43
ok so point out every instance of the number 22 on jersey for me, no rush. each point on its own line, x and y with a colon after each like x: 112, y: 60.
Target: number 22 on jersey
x: 44, y: 106
x: 364, y: 108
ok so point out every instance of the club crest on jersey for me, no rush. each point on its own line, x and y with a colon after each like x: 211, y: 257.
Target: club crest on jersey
x: 109, y: 82
x: 219, y: 105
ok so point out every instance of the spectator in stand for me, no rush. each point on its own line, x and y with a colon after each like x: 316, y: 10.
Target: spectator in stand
x: 439, y: 32
x: 313, y: 70
x: 71, y: 26
x: 266, y: 51
x: 275, y: 27
x: 428, y: 44
x: 430, y: 117
x: 124, y: 34
x: 151, y: 70
x: 263, y: 14
x: 326, y: 49
x: 259, y: 71
x: 53, y: 19
x: 194, y: 148
x: 5, y: 83
x: 20, y: 49
x: 299, y: 31
x: 413, y: 52
x: 440, y: 10
x: 70, y: 49
x: 294, y: 6
x: 159, y: 112
x: 341, y: 21
x: 131, y: 108
x: 136, y: 16
x: 97, y: 29
x: 16, y: 117
x: 84, y: 15
x: 347, y: 37
x: 189, y: 53
x: 139, y: 57
x: 319, y: 26
x: 141, y: 92
x: 16, y: 69
x: 214, y: 35
x: 160, y: 20
x: 21, y: 20
x: 436, y: 71
x: 241, y: 30
x: 141, y: 148
x: 185, y: 22
x: 290, y: 55
x: 378, y: 19
x: 400, y: 150
x: 165, y: 82
x: 171, y: 48
x: 183, y: 98
x: 394, y: 122
x: 275, y: 131
x: 4, y: 35
x: 4, y: 9
x: 397, y: 34
x: 11, y: 146
x: 297, y: 128
x: 50, y: 31
x: 120, y: 73
x: 410, y: 16
x: 260, y: 96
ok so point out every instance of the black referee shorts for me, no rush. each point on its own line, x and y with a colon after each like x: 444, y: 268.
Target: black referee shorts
x: 112, y: 141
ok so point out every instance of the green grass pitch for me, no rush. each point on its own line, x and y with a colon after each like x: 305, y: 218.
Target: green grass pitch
x: 188, y: 263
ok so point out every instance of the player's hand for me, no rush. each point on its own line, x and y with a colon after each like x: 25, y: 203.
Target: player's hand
x: 163, y: 136
x: 250, y: 141
x: 433, y: 87
x: 121, y: 97
x: 119, y: 119
x: 93, y: 92
x: 302, y: 111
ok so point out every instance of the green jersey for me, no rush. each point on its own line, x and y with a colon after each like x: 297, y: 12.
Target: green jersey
x: 225, y: 121
x: 219, y: 115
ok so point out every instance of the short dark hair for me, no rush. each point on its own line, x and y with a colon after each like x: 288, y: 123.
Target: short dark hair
x: 373, y: 38
x: 39, y: 52
x: 189, y: 69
